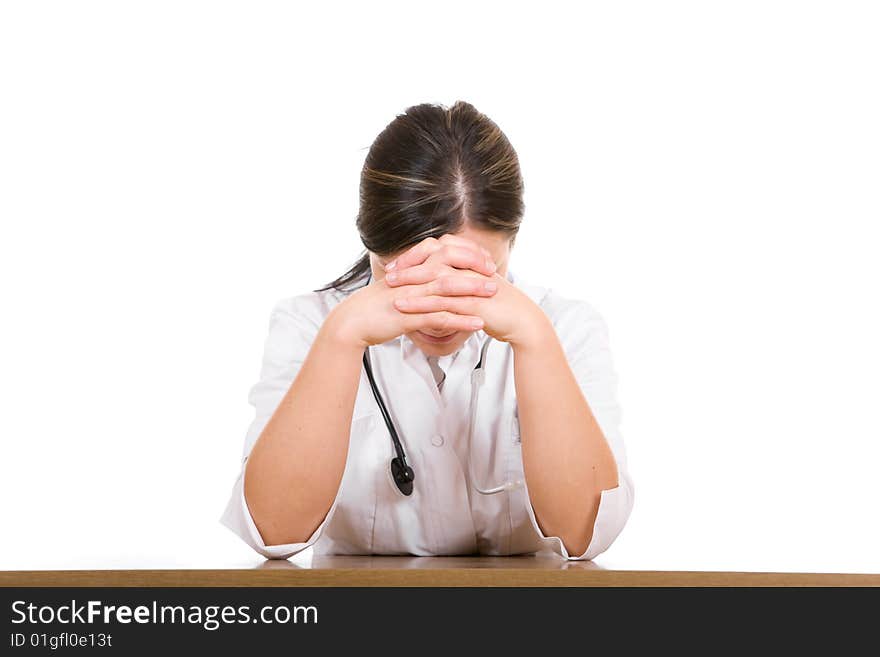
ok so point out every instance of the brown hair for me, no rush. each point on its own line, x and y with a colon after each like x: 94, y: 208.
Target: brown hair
x: 428, y: 172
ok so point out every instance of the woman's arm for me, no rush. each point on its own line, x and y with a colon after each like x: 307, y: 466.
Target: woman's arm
x: 294, y: 470
x: 566, y: 460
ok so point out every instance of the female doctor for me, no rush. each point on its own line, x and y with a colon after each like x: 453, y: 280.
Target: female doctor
x: 429, y: 402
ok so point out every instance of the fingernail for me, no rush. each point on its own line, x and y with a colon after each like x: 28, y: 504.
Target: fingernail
x: 401, y: 303
x: 490, y: 286
x: 477, y: 323
x: 391, y: 277
x: 391, y: 265
x: 491, y: 264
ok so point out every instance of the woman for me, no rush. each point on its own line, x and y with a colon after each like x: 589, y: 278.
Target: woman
x: 502, y: 393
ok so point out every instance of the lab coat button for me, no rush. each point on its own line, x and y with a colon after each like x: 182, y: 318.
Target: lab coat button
x: 437, y: 440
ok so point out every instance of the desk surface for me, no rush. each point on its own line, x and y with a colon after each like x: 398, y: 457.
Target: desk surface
x: 427, y: 571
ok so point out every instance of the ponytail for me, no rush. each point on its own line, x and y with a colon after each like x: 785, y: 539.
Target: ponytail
x: 359, y: 270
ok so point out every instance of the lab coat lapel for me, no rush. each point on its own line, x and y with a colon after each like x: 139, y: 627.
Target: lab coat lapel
x: 459, y: 372
x: 414, y: 360
x: 436, y: 518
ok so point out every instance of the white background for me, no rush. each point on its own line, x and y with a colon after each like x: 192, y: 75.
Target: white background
x: 705, y: 174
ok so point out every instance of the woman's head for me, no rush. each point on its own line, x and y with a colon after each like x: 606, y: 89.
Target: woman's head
x: 435, y: 170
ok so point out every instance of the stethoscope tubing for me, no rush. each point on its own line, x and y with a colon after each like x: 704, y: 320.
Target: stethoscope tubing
x: 402, y: 473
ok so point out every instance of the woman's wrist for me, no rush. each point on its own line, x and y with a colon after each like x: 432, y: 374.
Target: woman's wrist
x: 534, y: 332
x: 339, y: 328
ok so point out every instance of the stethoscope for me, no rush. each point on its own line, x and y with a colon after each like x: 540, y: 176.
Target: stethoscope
x: 401, y: 472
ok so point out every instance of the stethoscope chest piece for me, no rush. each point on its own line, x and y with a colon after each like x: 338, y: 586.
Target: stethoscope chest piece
x: 403, y: 476
x: 401, y: 472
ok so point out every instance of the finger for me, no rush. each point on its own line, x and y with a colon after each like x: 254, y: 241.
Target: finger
x: 436, y: 303
x: 442, y: 321
x: 450, y: 238
x: 460, y: 285
x: 453, y: 256
x: 465, y: 257
x: 416, y: 275
x: 415, y: 255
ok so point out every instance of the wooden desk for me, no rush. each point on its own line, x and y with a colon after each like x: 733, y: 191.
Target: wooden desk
x: 427, y: 571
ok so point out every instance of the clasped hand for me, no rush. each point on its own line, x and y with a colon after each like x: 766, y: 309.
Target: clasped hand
x: 442, y: 285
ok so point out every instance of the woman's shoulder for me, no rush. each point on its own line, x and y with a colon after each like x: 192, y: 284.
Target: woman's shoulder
x: 561, y: 309
x: 581, y: 328
x: 312, y: 307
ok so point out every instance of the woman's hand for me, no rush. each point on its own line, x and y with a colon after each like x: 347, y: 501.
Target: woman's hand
x: 369, y: 315
x: 509, y: 315
x: 434, y: 257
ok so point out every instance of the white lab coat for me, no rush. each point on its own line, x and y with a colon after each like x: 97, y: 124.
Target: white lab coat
x: 444, y: 515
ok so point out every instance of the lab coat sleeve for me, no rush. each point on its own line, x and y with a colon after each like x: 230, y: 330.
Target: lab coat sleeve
x: 584, y: 336
x: 293, y: 325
